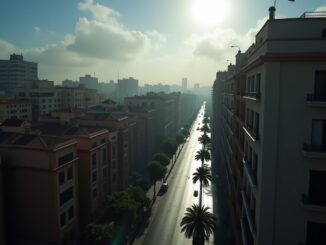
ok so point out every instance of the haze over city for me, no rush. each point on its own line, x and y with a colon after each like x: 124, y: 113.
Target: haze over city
x: 154, y: 41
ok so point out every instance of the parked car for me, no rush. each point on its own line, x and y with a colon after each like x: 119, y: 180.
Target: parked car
x: 164, y: 186
x: 195, y: 193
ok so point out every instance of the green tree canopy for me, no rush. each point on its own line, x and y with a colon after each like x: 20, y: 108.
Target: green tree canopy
x: 198, y: 223
x: 99, y: 234
x: 170, y: 147
x: 204, y: 176
x: 138, y: 180
x: 205, y: 129
x: 204, y: 140
x: 180, y: 139
x: 203, y: 155
x: 156, y: 171
x: 138, y: 195
x: 162, y: 158
x: 122, y: 208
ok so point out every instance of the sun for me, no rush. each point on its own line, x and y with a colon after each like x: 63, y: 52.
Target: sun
x: 209, y: 12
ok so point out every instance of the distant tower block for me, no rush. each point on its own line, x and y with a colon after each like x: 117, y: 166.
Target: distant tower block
x: 184, y: 83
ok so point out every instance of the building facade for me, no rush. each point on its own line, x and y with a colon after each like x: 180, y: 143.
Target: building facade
x: 15, y: 72
x: 15, y: 109
x: 271, y: 116
x: 41, y: 196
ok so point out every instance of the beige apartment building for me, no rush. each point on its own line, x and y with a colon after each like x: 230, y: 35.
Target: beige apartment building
x: 40, y: 188
x: 281, y: 79
x: 12, y: 108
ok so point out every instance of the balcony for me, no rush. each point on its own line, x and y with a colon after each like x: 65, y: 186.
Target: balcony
x: 252, y: 95
x: 249, y: 173
x: 248, y: 213
x: 314, y: 151
x: 314, y: 100
x: 253, y: 134
x: 309, y: 204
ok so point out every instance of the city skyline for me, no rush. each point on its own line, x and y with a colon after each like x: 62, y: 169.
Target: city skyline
x: 114, y: 39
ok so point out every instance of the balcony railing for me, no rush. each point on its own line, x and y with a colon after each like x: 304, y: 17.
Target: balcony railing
x: 316, y: 100
x: 252, y: 95
x: 313, y: 204
x: 314, y: 151
x: 249, y: 173
x: 249, y: 214
x: 253, y: 134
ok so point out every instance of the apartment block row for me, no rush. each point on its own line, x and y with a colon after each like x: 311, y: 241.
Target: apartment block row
x: 269, y: 135
x: 56, y: 173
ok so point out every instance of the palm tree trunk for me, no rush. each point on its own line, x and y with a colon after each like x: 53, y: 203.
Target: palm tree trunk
x: 200, y: 194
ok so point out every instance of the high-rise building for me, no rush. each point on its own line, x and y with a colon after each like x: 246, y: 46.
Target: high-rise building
x: 184, y: 84
x: 15, y: 72
x: 126, y: 87
x: 269, y: 135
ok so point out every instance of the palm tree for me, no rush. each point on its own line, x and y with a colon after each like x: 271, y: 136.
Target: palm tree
x: 205, y: 129
x: 202, y: 175
x: 204, y: 140
x: 206, y: 120
x: 203, y: 155
x: 198, y: 224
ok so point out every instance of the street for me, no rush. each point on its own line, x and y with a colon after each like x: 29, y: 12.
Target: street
x: 171, y: 206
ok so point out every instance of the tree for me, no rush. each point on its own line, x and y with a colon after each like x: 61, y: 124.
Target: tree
x: 162, y: 158
x: 122, y: 208
x: 203, y: 155
x: 205, y: 129
x: 180, y: 139
x: 204, y: 140
x: 138, y: 180
x: 206, y: 120
x: 204, y: 176
x: 185, y: 132
x: 156, y: 172
x: 138, y: 195
x: 99, y: 234
x: 198, y: 223
x: 170, y: 147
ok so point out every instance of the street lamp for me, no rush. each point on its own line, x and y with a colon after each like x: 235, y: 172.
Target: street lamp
x: 234, y: 46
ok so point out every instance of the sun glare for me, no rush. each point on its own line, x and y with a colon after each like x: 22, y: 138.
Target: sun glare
x: 209, y: 12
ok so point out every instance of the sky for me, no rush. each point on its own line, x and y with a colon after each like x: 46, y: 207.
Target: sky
x: 151, y: 40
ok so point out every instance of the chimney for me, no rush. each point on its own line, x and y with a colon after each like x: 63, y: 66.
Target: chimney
x: 272, y: 13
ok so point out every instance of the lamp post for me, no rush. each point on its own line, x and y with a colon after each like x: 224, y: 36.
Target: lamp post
x: 235, y: 46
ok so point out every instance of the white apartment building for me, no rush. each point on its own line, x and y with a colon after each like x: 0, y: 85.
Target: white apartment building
x: 284, y: 153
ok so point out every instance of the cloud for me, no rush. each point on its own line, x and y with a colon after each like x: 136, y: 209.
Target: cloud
x: 6, y: 48
x: 321, y: 8
x: 36, y: 29
x: 105, y: 38
x: 216, y: 44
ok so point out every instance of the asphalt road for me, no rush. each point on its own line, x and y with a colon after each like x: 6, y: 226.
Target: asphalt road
x: 164, y: 228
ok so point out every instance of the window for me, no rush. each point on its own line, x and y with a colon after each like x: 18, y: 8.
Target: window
x: 66, y: 196
x: 62, y: 178
x: 94, y: 144
x: 70, y: 173
x: 113, y: 164
x: 94, y: 161
x: 62, y: 219
x: 316, y: 233
x: 318, y: 134
x: 94, y: 193
x: 71, y: 213
x: 103, y: 141
x: 105, y: 173
x: 94, y: 176
x: 104, y: 155
x: 320, y: 85
x: 317, y: 187
x: 323, y: 33
x: 114, y: 178
x: 256, y: 126
x: 66, y: 158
